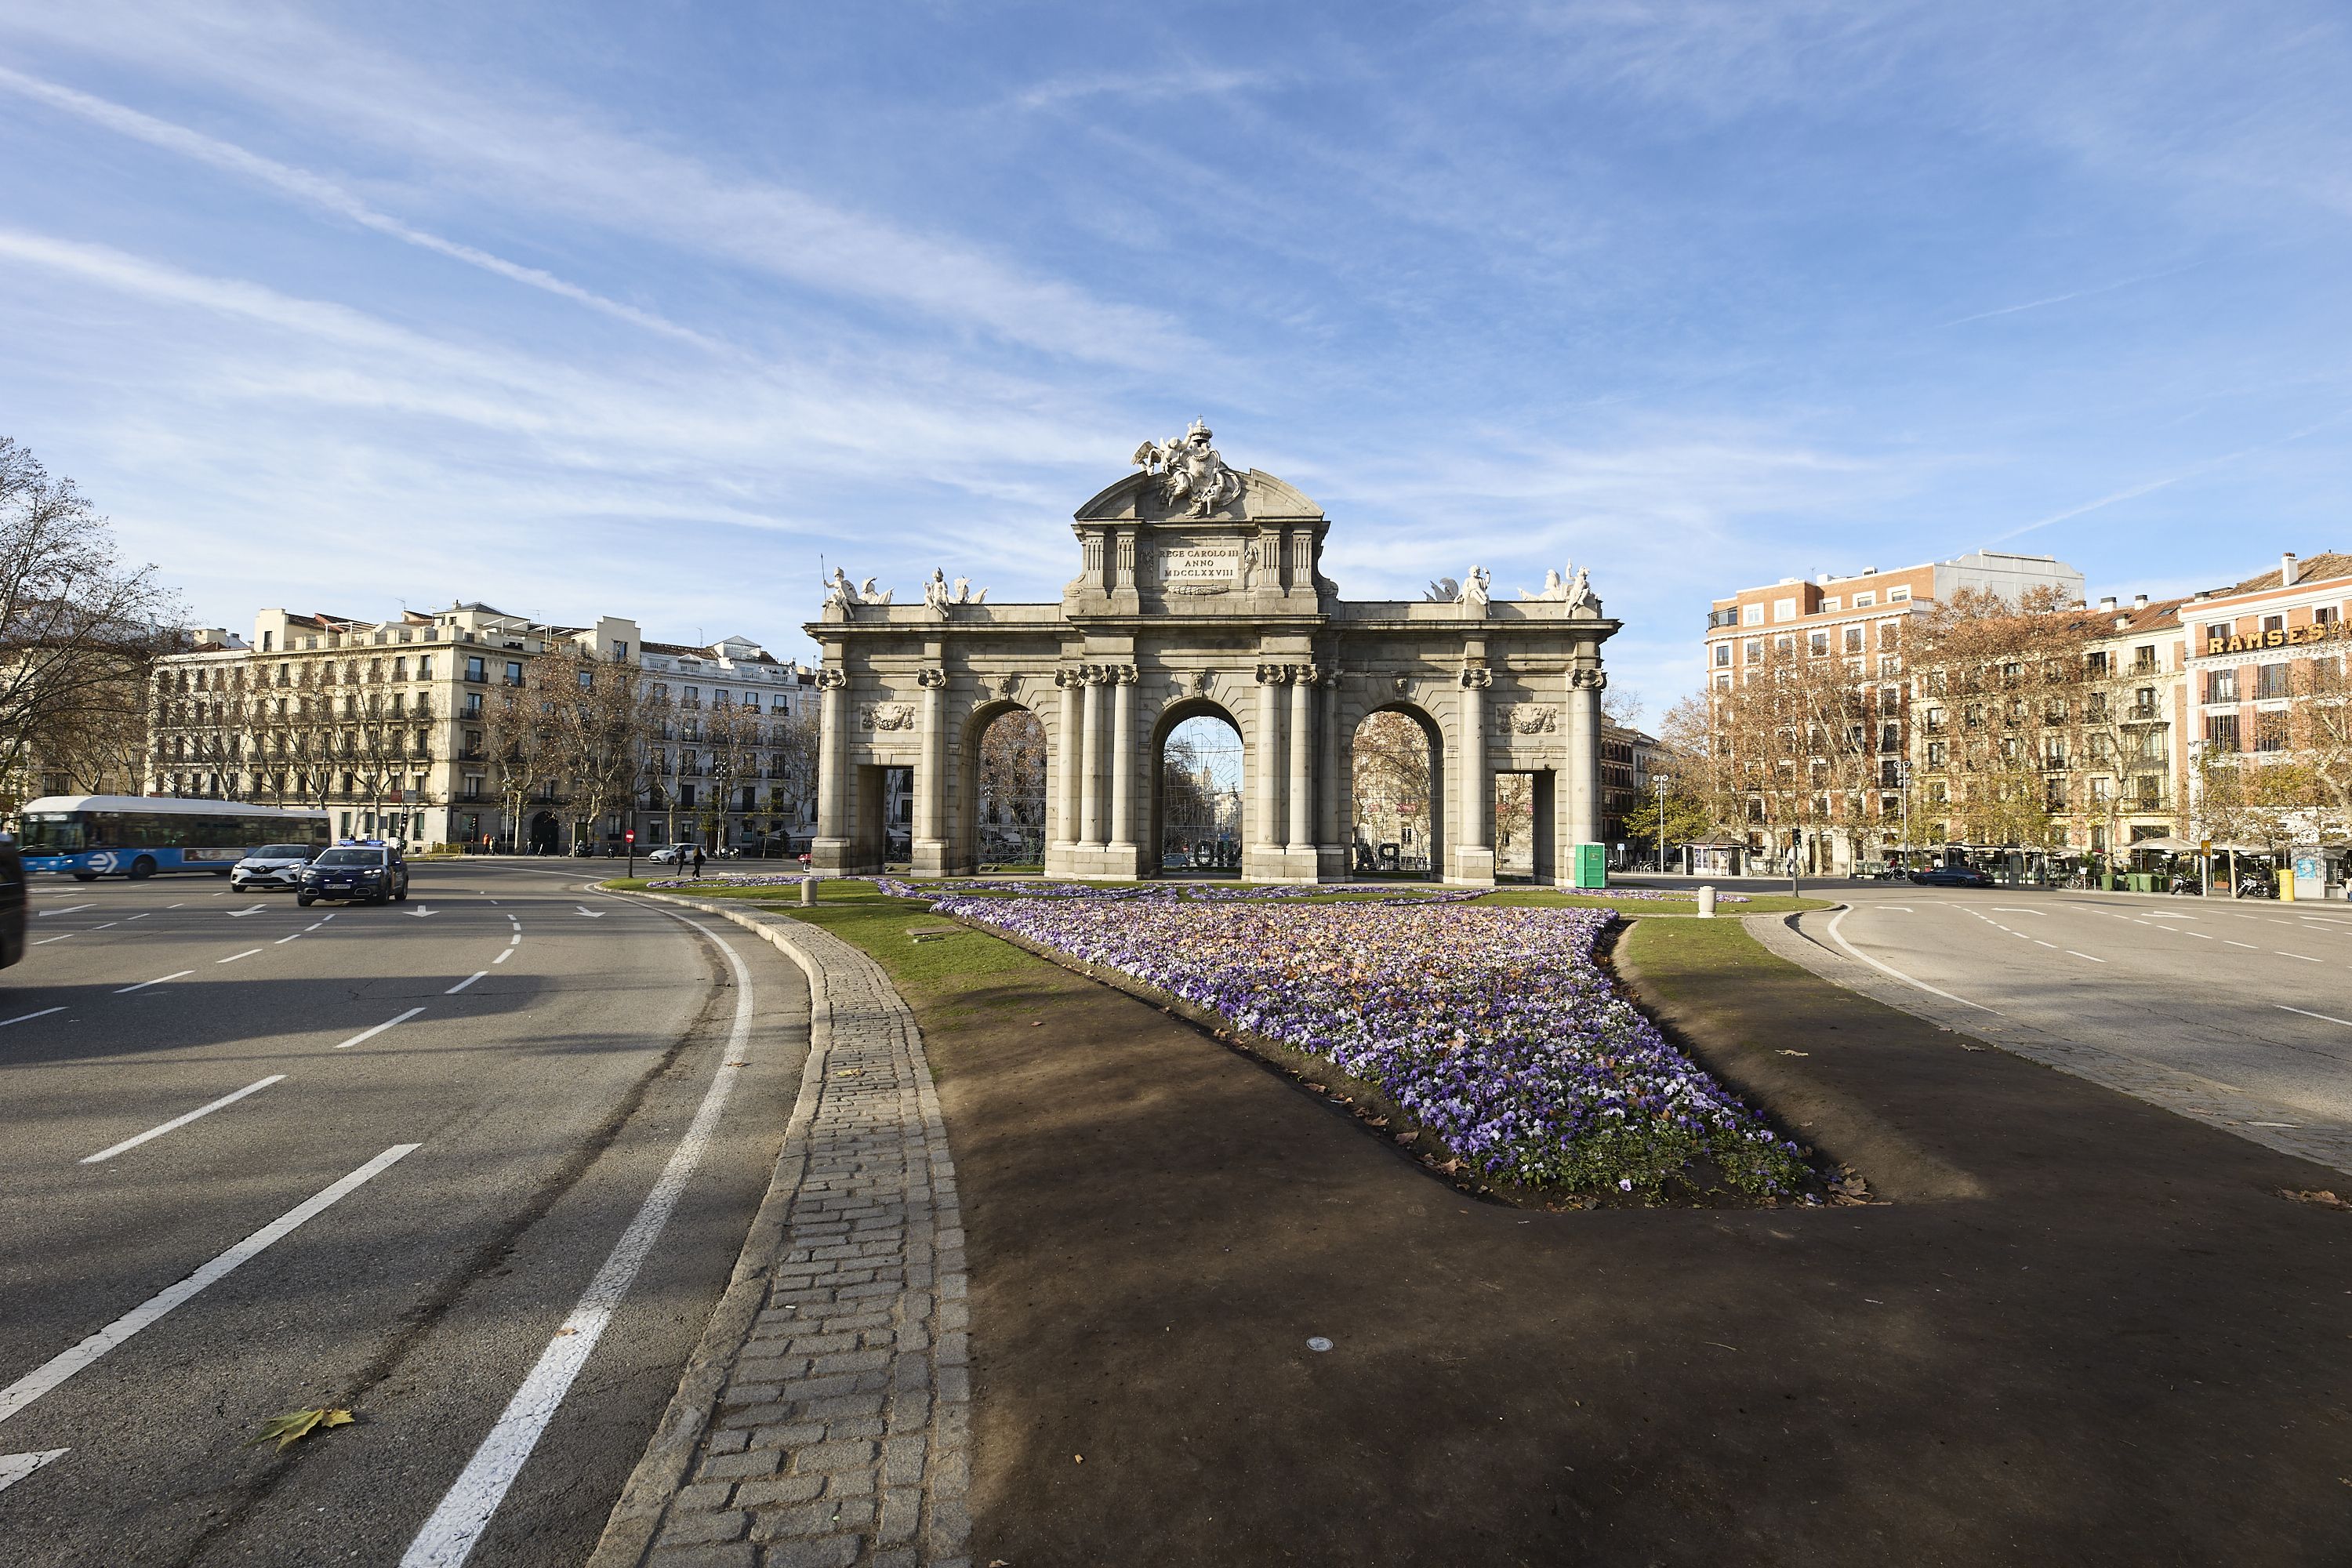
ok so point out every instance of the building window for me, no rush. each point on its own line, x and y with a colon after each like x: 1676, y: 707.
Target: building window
x: 1755, y: 651
x: 587, y: 680
x: 2222, y: 732
x: 621, y: 649
x: 474, y: 669
x: 2273, y: 624
x: 1752, y: 614
x: 2143, y: 659
x: 1898, y: 595
x: 2220, y: 685
x: 1784, y: 609
x: 514, y: 672
x: 2151, y: 792
x: 1819, y: 643
x: 2270, y: 731
x: 2144, y: 704
x: 1934, y: 753
x: 1722, y: 654
x: 2321, y: 615
x: 1831, y: 603
x: 1853, y: 639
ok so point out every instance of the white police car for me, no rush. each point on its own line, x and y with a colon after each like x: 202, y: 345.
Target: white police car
x: 357, y: 870
x: 271, y: 866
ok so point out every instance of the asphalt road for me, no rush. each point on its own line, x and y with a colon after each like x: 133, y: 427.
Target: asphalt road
x: 555, y: 1050
x: 2252, y: 996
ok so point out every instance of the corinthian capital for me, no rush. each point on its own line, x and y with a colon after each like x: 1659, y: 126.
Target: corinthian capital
x: 832, y: 680
x: 927, y: 678
x: 1274, y: 674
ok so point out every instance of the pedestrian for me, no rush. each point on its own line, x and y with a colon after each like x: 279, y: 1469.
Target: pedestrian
x: 698, y: 862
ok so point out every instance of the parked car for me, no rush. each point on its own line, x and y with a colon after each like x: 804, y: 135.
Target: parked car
x: 1951, y: 877
x: 673, y: 855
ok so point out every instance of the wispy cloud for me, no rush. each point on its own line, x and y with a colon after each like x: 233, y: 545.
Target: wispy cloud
x: 1142, y: 86
x: 324, y: 194
x: 2193, y: 471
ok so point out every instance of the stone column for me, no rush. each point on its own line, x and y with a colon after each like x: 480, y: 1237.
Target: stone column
x: 1065, y: 758
x: 1122, y: 759
x: 830, y: 850
x: 1302, y: 736
x: 1090, y: 828
x: 929, y: 850
x: 1473, y: 859
x: 1582, y: 825
x: 1266, y: 808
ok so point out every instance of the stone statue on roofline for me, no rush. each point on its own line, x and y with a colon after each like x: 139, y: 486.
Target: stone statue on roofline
x: 1191, y: 473
x: 1475, y: 590
x: 935, y: 592
x: 1580, y: 596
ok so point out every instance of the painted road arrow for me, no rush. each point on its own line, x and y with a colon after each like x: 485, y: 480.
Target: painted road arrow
x: 240, y: 914
x: 420, y: 911
x: 591, y: 914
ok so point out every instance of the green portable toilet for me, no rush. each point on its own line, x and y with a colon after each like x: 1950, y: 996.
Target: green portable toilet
x: 1592, y: 865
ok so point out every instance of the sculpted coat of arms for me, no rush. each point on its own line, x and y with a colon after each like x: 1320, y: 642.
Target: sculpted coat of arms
x: 1191, y: 473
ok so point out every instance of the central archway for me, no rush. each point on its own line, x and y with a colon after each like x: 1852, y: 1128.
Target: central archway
x: 1005, y: 791
x: 1196, y: 793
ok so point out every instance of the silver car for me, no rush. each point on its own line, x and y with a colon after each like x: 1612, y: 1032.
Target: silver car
x: 271, y: 866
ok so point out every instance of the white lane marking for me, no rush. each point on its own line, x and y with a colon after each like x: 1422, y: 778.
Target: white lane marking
x: 282, y: 941
x: 515, y: 940
x: 591, y: 914
x: 107, y: 926
x: 57, y: 1369
x: 313, y: 926
x: 69, y: 909
x: 110, y: 1151
x: 222, y: 894
x: 325, y: 918
x: 248, y: 953
x: 2305, y: 957
x: 463, y: 984
x: 2048, y: 945
x: 139, y: 917
x: 420, y: 911
x: 448, y: 1537
x: 380, y: 1028
x: 2248, y: 945
x: 1838, y: 919
x: 28, y: 1017
x: 126, y: 989
x: 169, y: 908
x: 15, y: 1468
x: 47, y: 940
x: 2322, y: 1017
x: 240, y: 914
x: 502, y: 957
x: 2011, y: 909
x: 2086, y: 955
x: 2199, y: 935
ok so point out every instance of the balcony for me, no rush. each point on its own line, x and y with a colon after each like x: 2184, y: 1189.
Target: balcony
x: 1722, y: 618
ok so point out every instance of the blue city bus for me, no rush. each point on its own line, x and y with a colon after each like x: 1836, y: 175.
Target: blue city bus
x: 91, y: 835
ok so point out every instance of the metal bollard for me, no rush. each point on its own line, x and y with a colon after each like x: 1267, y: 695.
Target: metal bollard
x: 808, y: 891
x: 1706, y: 903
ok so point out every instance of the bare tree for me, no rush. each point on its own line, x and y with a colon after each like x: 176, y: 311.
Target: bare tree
x: 605, y: 726
x: 517, y: 745
x: 78, y: 628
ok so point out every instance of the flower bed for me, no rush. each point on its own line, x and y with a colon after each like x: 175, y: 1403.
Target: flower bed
x: 1493, y: 1029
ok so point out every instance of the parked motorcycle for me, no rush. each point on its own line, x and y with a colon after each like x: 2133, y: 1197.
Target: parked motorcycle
x: 2253, y: 887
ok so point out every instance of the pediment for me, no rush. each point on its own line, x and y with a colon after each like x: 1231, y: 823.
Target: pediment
x: 1139, y: 498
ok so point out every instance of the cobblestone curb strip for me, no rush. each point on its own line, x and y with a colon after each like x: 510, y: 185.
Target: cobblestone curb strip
x: 2233, y: 1110
x: 825, y: 1419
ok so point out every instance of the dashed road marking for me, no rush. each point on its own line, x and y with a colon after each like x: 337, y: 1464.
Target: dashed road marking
x: 126, y: 989
x: 248, y: 953
x: 380, y: 1028
x: 22, y: 1393
x: 178, y: 1121
x: 463, y: 984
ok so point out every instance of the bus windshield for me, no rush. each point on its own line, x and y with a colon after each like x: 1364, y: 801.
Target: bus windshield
x: 53, y: 833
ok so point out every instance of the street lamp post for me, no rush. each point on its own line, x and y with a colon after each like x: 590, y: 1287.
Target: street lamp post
x: 1903, y: 782
x: 1661, y: 784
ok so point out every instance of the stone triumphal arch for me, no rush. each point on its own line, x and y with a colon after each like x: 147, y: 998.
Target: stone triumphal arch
x: 1198, y: 593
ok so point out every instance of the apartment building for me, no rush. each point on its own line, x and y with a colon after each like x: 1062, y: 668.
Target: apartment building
x: 2269, y: 757
x: 725, y: 770
x: 1851, y: 629
x: 386, y: 725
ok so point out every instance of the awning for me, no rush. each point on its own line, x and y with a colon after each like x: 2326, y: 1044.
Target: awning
x: 2165, y: 846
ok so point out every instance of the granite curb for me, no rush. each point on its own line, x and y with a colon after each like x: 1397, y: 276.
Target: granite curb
x: 824, y: 1415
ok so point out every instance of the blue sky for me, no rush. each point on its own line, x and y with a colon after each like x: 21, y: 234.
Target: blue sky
x: 640, y: 309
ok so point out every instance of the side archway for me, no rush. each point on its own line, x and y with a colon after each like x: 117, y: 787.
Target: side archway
x: 1001, y: 816
x: 1396, y: 779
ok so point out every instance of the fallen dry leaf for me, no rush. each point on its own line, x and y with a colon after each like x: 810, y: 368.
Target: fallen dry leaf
x: 299, y: 1424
